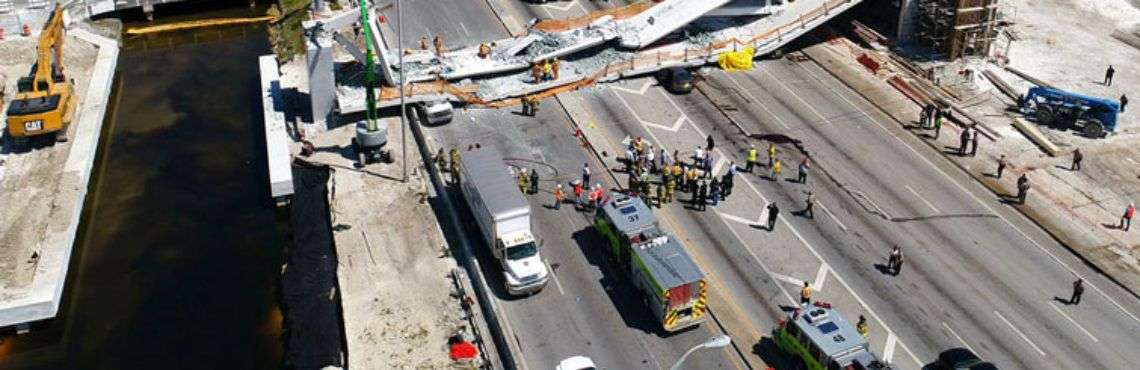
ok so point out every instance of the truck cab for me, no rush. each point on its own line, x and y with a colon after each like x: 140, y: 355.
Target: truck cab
x: 524, y: 272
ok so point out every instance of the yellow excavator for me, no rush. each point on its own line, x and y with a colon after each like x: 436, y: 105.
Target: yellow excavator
x: 44, y: 102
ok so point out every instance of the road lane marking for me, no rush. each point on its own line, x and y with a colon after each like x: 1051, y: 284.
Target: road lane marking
x: 720, y: 163
x: 640, y: 91
x: 1054, y: 306
x: 1019, y: 333
x: 889, y: 347
x: 740, y: 219
x: 987, y: 206
x: 756, y: 101
x: 464, y: 29
x: 959, y: 337
x: 828, y: 212
x: 788, y: 279
x: 919, y: 196
x: 763, y: 266
x: 674, y: 128
x: 863, y: 303
x: 554, y: 276
x: 821, y: 276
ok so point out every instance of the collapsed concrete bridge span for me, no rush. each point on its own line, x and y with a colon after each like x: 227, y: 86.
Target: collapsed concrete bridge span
x: 599, y: 47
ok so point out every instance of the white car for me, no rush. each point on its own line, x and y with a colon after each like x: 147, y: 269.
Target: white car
x: 576, y: 363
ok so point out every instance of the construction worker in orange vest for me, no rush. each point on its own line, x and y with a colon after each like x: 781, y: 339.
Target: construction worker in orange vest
x: 578, y: 193
x: 1126, y: 219
x: 596, y: 195
x: 558, y: 196
x: 484, y: 51
x: 536, y: 72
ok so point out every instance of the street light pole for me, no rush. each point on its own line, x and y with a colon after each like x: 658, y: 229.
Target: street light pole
x: 714, y: 342
x: 403, y: 111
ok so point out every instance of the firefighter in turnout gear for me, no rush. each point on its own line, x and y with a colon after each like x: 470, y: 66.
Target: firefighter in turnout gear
x: 441, y: 160
x: 454, y: 165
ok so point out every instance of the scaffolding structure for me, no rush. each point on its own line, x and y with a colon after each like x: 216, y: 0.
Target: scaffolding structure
x: 958, y: 28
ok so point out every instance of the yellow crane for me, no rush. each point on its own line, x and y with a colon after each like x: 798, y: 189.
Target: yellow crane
x: 44, y: 102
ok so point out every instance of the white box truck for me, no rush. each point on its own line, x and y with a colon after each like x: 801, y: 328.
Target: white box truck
x: 503, y: 216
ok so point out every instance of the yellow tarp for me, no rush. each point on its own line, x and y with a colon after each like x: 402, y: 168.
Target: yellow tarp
x: 736, y: 60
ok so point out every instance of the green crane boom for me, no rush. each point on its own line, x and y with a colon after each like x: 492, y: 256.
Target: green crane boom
x: 370, y: 69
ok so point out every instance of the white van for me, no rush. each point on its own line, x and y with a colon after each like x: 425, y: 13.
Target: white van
x: 435, y: 112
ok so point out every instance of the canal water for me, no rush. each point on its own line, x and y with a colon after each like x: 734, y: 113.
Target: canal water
x: 177, y: 262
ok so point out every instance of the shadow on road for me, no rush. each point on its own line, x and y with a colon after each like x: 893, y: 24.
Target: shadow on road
x: 625, y: 297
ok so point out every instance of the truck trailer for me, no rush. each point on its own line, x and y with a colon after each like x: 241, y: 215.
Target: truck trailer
x: 672, y: 286
x: 503, y: 216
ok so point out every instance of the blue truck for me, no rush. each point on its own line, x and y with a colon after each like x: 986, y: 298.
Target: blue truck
x: 1094, y: 116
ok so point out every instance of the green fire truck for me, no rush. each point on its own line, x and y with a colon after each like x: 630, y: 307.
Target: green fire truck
x: 672, y: 286
x: 820, y: 338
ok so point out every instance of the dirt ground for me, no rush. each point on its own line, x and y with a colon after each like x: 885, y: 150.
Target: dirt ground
x: 1070, y: 44
x: 29, y: 180
x: 393, y: 267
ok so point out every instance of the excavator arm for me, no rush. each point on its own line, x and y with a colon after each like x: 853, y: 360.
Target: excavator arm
x: 49, y: 53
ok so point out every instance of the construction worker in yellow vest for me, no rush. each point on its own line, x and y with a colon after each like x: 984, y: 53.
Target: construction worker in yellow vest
x: 752, y: 157
x: 691, y: 178
x: 771, y: 154
x: 523, y: 181
x: 862, y: 327
x: 776, y: 169
x: 547, y: 70
x: 805, y: 294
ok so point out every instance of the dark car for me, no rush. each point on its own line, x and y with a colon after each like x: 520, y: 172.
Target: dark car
x: 962, y: 359
x: 676, y: 80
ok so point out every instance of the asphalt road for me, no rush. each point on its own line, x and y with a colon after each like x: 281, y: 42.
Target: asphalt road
x: 977, y: 274
x: 584, y: 310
